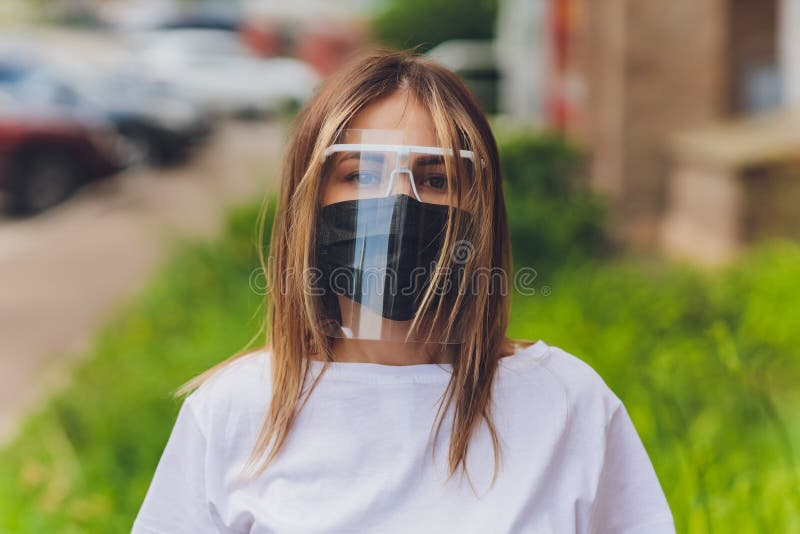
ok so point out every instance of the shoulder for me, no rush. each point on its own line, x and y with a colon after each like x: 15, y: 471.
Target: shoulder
x: 584, y: 392
x: 627, y: 495
x: 238, y: 388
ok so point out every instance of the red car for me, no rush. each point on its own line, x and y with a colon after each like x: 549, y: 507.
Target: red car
x: 45, y: 156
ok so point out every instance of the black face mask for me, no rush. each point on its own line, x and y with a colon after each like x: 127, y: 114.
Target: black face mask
x: 379, y: 252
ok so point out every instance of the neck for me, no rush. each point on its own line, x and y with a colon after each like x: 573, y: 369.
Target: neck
x: 391, y: 352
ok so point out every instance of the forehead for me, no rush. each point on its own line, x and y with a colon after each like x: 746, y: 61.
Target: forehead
x: 399, y: 111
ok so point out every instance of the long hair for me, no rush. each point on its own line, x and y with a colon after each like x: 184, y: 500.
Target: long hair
x: 480, y: 312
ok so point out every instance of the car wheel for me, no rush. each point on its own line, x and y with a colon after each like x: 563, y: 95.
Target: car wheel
x: 43, y: 181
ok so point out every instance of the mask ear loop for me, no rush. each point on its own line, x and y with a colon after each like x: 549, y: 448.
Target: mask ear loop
x: 403, y: 159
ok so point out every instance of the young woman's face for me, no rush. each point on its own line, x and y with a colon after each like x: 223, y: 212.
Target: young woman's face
x: 354, y: 176
x: 376, y: 243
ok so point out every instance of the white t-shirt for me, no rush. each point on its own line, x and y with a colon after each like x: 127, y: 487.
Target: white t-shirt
x: 358, y: 458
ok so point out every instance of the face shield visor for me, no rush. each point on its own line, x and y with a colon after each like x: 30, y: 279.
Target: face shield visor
x: 391, y: 230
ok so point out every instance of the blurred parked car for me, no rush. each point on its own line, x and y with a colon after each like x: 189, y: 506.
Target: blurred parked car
x: 45, y: 156
x: 220, y: 73
x: 160, y: 125
x: 208, y: 17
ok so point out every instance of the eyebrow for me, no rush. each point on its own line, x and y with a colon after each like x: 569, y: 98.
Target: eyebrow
x: 428, y: 160
x: 346, y: 156
x: 419, y: 161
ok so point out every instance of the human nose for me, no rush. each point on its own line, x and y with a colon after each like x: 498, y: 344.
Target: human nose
x: 402, y: 183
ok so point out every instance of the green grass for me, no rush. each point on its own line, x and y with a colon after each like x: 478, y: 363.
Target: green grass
x: 708, y: 366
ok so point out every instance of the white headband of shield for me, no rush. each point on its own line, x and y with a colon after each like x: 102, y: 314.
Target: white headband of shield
x: 403, y: 157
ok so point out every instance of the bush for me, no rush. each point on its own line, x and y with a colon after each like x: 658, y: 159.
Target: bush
x: 427, y: 23
x: 554, y: 218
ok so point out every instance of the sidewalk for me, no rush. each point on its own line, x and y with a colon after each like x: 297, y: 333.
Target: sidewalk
x: 63, y: 272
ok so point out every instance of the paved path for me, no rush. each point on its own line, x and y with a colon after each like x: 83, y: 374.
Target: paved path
x: 62, y: 272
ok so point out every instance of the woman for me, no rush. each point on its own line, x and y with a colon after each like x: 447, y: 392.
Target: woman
x: 388, y: 398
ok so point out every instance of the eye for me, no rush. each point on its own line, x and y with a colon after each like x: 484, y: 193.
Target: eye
x: 436, y: 181
x: 363, y: 178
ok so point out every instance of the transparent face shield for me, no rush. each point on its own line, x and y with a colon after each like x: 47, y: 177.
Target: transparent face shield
x: 385, y: 270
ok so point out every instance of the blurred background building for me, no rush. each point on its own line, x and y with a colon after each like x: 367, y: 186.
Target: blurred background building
x: 685, y: 108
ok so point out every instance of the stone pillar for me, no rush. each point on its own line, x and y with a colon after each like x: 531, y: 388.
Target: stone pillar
x: 522, y: 52
x: 789, y: 49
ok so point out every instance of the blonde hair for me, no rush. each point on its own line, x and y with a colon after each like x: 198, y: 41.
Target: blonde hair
x: 480, y: 313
